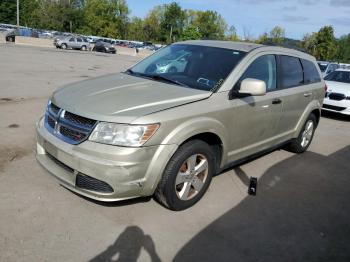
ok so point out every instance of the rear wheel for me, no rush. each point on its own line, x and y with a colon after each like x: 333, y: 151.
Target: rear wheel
x: 302, y: 142
x: 64, y: 46
x: 83, y: 48
x: 187, y: 176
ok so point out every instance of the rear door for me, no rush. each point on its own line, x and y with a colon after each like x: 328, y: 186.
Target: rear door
x: 295, y: 91
x: 71, y: 42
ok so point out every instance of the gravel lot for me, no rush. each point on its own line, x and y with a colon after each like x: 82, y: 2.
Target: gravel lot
x: 301, y: 211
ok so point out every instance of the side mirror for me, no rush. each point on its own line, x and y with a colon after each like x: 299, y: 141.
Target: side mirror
x: 253, y: 87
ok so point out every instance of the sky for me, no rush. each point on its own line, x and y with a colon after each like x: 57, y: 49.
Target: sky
x: 255, y: 17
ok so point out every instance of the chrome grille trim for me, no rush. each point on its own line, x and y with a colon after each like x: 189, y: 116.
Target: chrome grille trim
x: 75, y: 129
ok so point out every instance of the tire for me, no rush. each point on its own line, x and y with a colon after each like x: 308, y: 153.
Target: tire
x: 63, y: 46
x: 180, y: 189
x: 302, y: 142
x: 172, y: 70
x: 83, y: 48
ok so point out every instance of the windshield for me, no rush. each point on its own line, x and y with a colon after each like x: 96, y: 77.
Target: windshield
x: 322, y: 67
x: 339, y: 76
x: 193, y: 66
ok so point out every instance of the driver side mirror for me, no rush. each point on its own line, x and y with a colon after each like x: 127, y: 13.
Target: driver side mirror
x: 249, y: 87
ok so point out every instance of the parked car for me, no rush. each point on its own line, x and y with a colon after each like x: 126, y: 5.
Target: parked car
x: 327, y: 67
x: 338, y: 92
x: 140, y: 133
x: 173, y: 63
x: 101, y: 46
x: 72, y: 42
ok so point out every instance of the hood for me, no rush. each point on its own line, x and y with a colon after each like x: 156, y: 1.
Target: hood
x: 338, y: 87
x: 122, y: 98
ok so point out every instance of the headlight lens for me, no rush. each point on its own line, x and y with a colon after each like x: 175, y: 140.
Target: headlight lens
x: 123, y: 135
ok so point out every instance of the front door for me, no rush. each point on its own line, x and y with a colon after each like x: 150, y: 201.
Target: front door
x: 255, y: 119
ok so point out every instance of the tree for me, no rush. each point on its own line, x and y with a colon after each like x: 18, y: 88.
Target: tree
x: 210, y: 24
x: 326, y: 46
x: 308, y: 43
x: 191, y: 33
x: 343, y: 54
x: 232, y: 34
x: 108, y: 18
x: 173, y: 21
x: 263, y: 39
x: 136, y: 29
x: 277, y: 35
x: 8, y: 11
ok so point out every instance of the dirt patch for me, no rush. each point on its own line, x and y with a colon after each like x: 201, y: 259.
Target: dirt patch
x: 13, y: 126
x: 9, y: 154
x: 6, y: 99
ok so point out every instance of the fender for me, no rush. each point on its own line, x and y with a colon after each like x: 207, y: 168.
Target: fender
x: 313, y: 105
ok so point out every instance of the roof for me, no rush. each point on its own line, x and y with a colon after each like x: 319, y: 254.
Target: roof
x: 246, y: 47
x: 239, y: 46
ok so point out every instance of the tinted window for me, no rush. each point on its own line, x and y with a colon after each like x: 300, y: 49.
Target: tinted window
x: 310, y: 72
x: 71, y: 39
x: 204, y: 67
x: 339, y: 76
x: 79, y: 40
x: 292, y: 72
x: 263, y: 68
x: 323, y: 67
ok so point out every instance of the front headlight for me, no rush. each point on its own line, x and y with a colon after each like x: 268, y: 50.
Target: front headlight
x: 122, y: 135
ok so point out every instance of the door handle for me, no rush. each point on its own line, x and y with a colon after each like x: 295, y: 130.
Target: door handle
x: 276, y: 101
x: 307, y: 94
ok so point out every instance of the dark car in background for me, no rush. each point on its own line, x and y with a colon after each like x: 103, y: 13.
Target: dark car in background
x: 105, y: 47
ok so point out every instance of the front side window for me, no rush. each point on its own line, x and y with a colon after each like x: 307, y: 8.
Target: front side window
x: 71, y: 39
x: 263, y: 68
x: 339, y: 76
x: 292, y: 72
x: 311, y: 74
x: 79, y: 40
x: 193, y: 66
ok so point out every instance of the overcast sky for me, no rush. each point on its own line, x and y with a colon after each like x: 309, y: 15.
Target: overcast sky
x: 257, y: 16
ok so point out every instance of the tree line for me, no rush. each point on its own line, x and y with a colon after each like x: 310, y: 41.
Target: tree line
x: 163, y: 24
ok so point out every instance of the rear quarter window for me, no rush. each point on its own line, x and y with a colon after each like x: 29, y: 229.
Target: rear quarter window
x: 291, y: 71
x: 311, y: 74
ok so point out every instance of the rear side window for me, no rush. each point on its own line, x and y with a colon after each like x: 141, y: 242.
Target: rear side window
x: 311, y: 74
x: 263, y: 68
x: 292, y: 72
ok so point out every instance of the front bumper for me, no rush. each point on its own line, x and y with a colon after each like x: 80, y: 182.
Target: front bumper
x: 130, y: 172
x: 341, y: 107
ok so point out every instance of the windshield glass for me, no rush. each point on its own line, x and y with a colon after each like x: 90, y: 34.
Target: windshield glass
x: 322, y: 67
x: 339, y: 76
x: 193, y: 66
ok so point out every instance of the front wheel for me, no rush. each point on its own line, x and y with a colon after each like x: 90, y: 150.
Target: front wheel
x: 83, y: 48
x: 64, y: 46
x: 187, y: 176
x: 302, y: 142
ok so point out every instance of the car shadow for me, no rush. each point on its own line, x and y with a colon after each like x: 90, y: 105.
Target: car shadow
x: 335, y: 116
x: 301, y: 213
x: 128, y: 246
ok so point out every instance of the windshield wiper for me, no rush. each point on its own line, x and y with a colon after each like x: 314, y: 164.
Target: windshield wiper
x: 130, y: 71
x: 163, y: 78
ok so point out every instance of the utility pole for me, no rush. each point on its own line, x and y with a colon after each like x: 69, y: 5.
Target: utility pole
x: 171, y: 33
x: 17, y: 13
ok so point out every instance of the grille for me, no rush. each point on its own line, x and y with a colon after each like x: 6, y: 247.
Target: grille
x: 53, y: 109
x: 51, y: 122
x: 67, y: 126
x: 72, y: 134
x: 93, y: 184
x: 336, y: 96
x: 336, y: 108
x: 79, y: 120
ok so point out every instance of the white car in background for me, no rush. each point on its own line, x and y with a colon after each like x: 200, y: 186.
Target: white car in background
x: 337, y: 98
x: 173, y: 64
x: 327, y: 67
